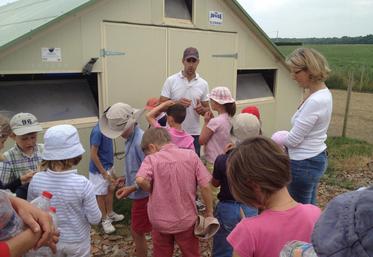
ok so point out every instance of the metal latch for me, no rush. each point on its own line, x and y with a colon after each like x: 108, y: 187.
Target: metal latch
x: 235, y: 56
x: 104, y: 53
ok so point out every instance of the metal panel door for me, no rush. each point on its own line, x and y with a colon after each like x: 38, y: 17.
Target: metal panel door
x: 134, y: 58
x: 217, y: 50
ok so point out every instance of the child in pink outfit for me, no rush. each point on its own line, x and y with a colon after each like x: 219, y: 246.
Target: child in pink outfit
x: 175, y: 116
x: 215, y: 134
x: 258, y: 173
x: 171, y: 175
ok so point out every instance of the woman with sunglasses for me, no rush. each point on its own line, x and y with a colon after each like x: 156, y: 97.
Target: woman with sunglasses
x: 306, y: 139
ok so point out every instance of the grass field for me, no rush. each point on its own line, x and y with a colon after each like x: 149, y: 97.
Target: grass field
x: 343, y: 59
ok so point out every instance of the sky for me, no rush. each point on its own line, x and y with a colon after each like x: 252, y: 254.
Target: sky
x: 309, y: 18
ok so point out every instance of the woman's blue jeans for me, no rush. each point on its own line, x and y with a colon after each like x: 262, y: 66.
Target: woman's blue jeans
x: 228, y: 214
x: 306, y: 175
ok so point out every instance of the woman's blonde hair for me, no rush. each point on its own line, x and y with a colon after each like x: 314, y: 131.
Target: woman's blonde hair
x: 257, y: 164
x: 310, y: 60
x: 60, y: 165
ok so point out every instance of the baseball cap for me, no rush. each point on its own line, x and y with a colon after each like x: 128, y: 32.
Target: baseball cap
x: 62, y: 142
x: 151, y: 103
x: 191, y: 52
x: 253, y: 110
x: 345, y: 228
x: 206, y: 228
x: 245, y: 125
x: 221, y: 95
x: 118, y: 118
x: 24, y: 123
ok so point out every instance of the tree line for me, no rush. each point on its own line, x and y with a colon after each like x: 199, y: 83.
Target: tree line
x: 368, y: 39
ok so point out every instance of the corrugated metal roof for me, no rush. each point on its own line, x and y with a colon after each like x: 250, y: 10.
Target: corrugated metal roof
x: 24, y: 17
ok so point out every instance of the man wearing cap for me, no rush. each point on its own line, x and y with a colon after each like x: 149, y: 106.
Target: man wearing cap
x: 23, y: 158
x: 189, y: 89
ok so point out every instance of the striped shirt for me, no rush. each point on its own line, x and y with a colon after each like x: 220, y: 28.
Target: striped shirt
x: 17, y: 163
x: 74, y: 200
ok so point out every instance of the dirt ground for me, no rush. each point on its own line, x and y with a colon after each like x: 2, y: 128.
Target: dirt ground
x: 360, y: 118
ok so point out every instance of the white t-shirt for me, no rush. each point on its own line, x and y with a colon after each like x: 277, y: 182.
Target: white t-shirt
x: 176, y: 87
x: 310, y: 124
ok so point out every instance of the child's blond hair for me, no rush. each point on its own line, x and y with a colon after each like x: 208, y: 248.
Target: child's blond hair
x: 157, y: 136
x: 60, y: 165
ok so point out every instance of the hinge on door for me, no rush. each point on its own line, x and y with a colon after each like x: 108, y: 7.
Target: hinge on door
x: 104, y: 53
x: 235, y: 56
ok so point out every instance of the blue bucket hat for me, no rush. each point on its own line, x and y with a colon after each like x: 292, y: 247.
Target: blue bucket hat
x: 345, y: 228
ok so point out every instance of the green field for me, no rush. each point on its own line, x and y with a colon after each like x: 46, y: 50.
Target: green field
x: 343, y: 59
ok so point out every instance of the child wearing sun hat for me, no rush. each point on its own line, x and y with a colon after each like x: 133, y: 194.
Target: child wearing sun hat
x: 73, y: 194
x: 215, y: 132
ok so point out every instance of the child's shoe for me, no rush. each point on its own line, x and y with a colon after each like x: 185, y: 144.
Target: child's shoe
x: 115, y: 217
x: 107, y: 226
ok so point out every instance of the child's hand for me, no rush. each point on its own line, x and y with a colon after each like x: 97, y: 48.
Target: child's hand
x: 120, y: 182
x: 186, y: 102
x: 27, y: 177
x: 200, y: 109
x: 208, y: 116
x: 37, y: 220
x: 208, y: 214
x: 124, y: 192
x: 108, y: 178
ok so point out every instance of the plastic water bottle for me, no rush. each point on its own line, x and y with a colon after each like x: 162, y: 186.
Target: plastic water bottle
x: 44, y: 201
x: 298, y: 249
x: 45, y: 251
x: 10, y: 223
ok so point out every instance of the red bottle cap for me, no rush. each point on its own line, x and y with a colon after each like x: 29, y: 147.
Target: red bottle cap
x: 47, y: 194
x: 52, y: 209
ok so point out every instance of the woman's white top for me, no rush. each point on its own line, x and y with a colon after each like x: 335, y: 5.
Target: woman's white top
x: 309, y: 126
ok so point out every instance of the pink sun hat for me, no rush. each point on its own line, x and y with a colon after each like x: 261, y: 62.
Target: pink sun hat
x: 221, y: 95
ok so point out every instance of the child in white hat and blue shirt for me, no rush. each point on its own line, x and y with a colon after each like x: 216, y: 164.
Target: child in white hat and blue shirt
x: 73, y: 194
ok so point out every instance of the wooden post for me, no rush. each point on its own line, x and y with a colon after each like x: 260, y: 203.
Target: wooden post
x: 349, y: 90
x: 362, y: 78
